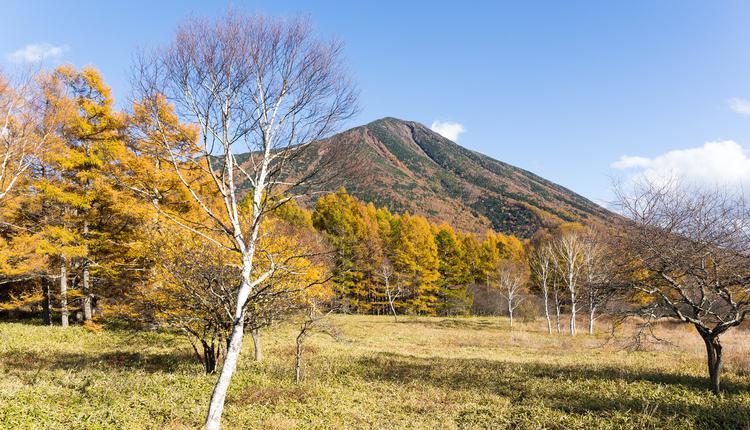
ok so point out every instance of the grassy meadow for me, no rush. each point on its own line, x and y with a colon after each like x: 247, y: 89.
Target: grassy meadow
x: 419, y: 373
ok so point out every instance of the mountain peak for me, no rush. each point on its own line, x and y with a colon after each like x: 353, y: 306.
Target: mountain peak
x: 405, y: 166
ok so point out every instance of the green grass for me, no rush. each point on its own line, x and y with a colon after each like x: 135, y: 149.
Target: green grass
x: 422, y: 373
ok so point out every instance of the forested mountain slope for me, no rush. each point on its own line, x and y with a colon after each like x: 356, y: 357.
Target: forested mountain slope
x: 405, y: 166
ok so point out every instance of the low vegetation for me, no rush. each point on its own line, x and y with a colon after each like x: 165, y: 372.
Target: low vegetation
x: 418, y: 373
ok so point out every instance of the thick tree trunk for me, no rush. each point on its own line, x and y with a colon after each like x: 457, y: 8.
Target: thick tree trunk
x: 47, y: 303
x: 715, y: 361
x: 209, y: 357
x: 258, y: 344
x: 219, y: 395
x: 64, y: 291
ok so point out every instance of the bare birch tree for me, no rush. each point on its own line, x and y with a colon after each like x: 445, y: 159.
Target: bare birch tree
x: 688, y: 251
x: 568, y: 248
x: 511, y: 278
x: 542, y: 268
x: 23, y: 130
x: 250, y: 84
x: 392, y: 292
x: 599, y: 271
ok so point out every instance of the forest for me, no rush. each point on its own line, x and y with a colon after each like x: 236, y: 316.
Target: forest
x: 133, y: 220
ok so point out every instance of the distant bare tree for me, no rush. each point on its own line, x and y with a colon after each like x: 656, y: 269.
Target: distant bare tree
x: 569, y: 248
x: 392, y: 292
x: 250, y: 84
x: 598, y: 267
x: 511, y: 279
x: 314, y: 320
x: 542, y: 267
x: 688, y: 251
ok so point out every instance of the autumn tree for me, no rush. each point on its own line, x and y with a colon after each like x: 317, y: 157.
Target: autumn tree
x: 416, y: 262
x: 250, y: 84
x: 454, y: 270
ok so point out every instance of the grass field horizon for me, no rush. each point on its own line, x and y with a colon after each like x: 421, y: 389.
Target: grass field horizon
x: 419, y: 373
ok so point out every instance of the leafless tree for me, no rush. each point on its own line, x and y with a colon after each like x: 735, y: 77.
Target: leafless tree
x: 542, y: 268
x: 251, y: 84
x: 392, y: 292
x: 598, y: 272
x: 688, y: 251
x: 24, y: 132
x: 511, y: 279
x: 314, y: 320
x: 568, y: 247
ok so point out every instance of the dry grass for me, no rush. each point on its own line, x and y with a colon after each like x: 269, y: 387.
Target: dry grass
x: 420, y: 373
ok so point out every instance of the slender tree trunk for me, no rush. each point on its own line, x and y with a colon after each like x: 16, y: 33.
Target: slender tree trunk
x: 572, y: 314
x: 715, y: 361
x: 47, y: 303
x: 592, y: 310
x: 298, y: 358
x: 510, y: 311
x: 557, y: 312
x: 87, y: 298
x: 258, y: 344
x: 64, y: 291
x: 393, y: 310
x: 546, y: 310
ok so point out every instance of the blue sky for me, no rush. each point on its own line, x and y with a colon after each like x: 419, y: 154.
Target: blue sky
x: 564, y: 89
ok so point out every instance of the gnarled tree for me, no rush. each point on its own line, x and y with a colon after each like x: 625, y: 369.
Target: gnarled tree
x: 688, y: 251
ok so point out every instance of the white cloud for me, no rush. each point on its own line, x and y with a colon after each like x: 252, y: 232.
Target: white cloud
x: 724, y: 163
x: 740, y: 106
x: 37, y: 52
x: 449, y: 130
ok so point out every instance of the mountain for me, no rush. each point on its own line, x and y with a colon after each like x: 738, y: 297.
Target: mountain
x: 407, y: 167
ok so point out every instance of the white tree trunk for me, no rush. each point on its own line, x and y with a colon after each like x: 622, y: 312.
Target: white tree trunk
x: 592, y: 310
x: 219, y: 395
x: 546, y: 310
x: 573, y: 312
x: 87, y: 298
x: 64, y: 291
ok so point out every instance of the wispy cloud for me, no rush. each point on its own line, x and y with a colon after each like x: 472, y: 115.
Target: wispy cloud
x: 724, y: 163
x: 740, y: 106
x: 448, y: 129
x: 36, y: 52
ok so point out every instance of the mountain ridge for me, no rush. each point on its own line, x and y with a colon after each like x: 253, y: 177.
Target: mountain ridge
x: 407, y: 167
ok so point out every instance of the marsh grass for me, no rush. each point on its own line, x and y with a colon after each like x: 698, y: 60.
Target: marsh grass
x: 419, y: 373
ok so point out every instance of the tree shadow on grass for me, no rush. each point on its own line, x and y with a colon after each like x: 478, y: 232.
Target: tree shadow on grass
x: 572, y: 389
x: 107, y: 361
